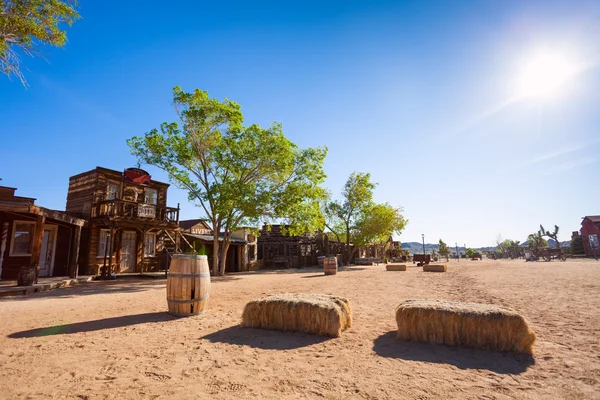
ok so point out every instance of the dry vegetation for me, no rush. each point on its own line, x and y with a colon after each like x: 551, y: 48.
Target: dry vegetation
x: 318, y: 314
x: 481, y: 326
x: 115, y: 340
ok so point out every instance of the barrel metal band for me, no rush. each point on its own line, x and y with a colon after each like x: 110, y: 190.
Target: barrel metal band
x: 188, y: 301
x: 189, y: 275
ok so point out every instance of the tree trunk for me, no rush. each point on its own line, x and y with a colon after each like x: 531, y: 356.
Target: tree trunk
x: 225, y: 249
x: 351, y: 253
x: 215, y: 266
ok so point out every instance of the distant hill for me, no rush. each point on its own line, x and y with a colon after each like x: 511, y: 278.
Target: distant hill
x: 417, y: 248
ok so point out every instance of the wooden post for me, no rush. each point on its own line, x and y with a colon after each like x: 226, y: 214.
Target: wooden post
x: 38, y: 237
x: 74, y: 258
x: 110, y: 251
x: 3, y: 240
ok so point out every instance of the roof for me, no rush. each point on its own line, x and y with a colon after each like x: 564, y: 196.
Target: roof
x: 189, y: 223
x: 114, y: 172
x: 593, y: 218
x: 209, y: 238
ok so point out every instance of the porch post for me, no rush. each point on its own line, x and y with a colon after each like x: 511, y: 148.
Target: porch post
x: 74, y: 253
x: 3, y: 240
x: 38, y: 237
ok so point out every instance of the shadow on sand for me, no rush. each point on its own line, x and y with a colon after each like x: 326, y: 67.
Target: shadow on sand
x: 95, y: 287
x: 387, y: 345
x: 264, y: 339
x: 96, y: 325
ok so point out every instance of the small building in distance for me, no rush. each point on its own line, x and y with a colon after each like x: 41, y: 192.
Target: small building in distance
x: 590, y: 231
x: 31, y: 235
x: 198, y: 238
x: 128, y: 220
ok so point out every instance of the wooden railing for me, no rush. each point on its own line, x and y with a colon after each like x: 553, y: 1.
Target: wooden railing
x: 133, y: 210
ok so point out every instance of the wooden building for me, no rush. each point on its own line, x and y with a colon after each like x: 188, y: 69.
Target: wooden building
x: 34, y: 235
x: 128, y: 221
x: 590, y: 230
x: 276, y: 250
x: 198, y: 238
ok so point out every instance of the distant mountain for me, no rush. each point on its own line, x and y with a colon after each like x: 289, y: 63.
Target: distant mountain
x: 417, y: 248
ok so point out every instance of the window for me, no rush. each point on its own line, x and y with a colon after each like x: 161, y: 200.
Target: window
x: 22, y: 238
x: 103, y: 243
x: 150, y: 245
x: 150, y: 196
x: 112, y: 191
x: 594, y: 241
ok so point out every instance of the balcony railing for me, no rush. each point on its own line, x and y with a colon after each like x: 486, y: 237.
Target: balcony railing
x: 133, y: 210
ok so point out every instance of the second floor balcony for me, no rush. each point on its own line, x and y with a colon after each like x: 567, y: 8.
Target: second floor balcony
x: 130, y: 210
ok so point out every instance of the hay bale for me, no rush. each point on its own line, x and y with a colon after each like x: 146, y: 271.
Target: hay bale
x: 435, y: 268
x: 395, y: 267
x: 464, y: 324
x: 317, y: 314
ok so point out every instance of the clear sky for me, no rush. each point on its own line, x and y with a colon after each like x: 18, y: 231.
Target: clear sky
x: 426, y: 96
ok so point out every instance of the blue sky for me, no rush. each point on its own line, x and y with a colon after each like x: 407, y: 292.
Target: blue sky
x: 420, y: 94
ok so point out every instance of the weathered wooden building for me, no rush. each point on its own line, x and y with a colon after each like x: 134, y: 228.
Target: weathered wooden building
x: 34, y: 235
x: 128, y: 220
x: 277, y: 250
x: 198, y: 237
x: 590, y: 230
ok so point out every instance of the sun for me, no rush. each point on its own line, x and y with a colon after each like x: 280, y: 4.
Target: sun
x: 544, y: 75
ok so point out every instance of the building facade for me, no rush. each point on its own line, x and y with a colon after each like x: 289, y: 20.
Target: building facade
x: 31, y: 235
x: 128, y: 220
x: 590, y: 231
x: 198, y: 238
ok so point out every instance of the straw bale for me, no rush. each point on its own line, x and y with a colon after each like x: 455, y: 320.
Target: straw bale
x: 464, y: 324
x: 317, y: 314
x: 395, y: 267
x: 435, y: 268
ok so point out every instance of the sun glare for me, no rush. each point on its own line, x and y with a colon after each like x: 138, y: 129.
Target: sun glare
x: 545, y: 75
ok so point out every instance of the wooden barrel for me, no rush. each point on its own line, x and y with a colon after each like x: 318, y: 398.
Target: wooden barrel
x: 26, y: 275
x: 188, y: 285
x: 330, y: 265
x: 320, y: 260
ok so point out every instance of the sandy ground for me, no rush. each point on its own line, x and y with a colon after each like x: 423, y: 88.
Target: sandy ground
x: 105, y: 340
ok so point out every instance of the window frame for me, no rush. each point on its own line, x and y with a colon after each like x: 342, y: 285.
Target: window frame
x: 12, y: 239
x: 146, y: 236
x: 146, y: 190
x: 117, y: 190
x: 98, y: 254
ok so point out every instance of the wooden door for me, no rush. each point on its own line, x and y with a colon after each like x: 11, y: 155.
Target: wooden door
x: 47, y: 252
x: 128, y: 240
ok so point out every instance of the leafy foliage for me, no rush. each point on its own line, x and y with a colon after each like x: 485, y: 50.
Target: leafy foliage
x: 238, y: 175
x: 535, y: 242
x: 356, y: 219
x: 470, y: 252
x: 26, y: 24
x: 443, y: 249
x: 577, y: 245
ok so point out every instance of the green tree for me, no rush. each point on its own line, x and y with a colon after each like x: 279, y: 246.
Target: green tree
x: 238, y: 175
x: 552, y: 235
x: 27, y: 24
x: 470, y: 253
x: 444, y: 250
x: 535, y: 242
x: 577, y: 245
x: 357, y: 220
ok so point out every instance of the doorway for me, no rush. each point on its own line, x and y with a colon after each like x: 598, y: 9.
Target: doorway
x: 46, y: 261
x: 128, y: 251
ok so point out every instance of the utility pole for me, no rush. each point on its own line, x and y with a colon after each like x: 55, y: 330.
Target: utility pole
x: 457, y: 254
x: 423, y: 237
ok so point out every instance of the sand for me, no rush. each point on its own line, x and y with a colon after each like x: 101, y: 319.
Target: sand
x: 105, y: 340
